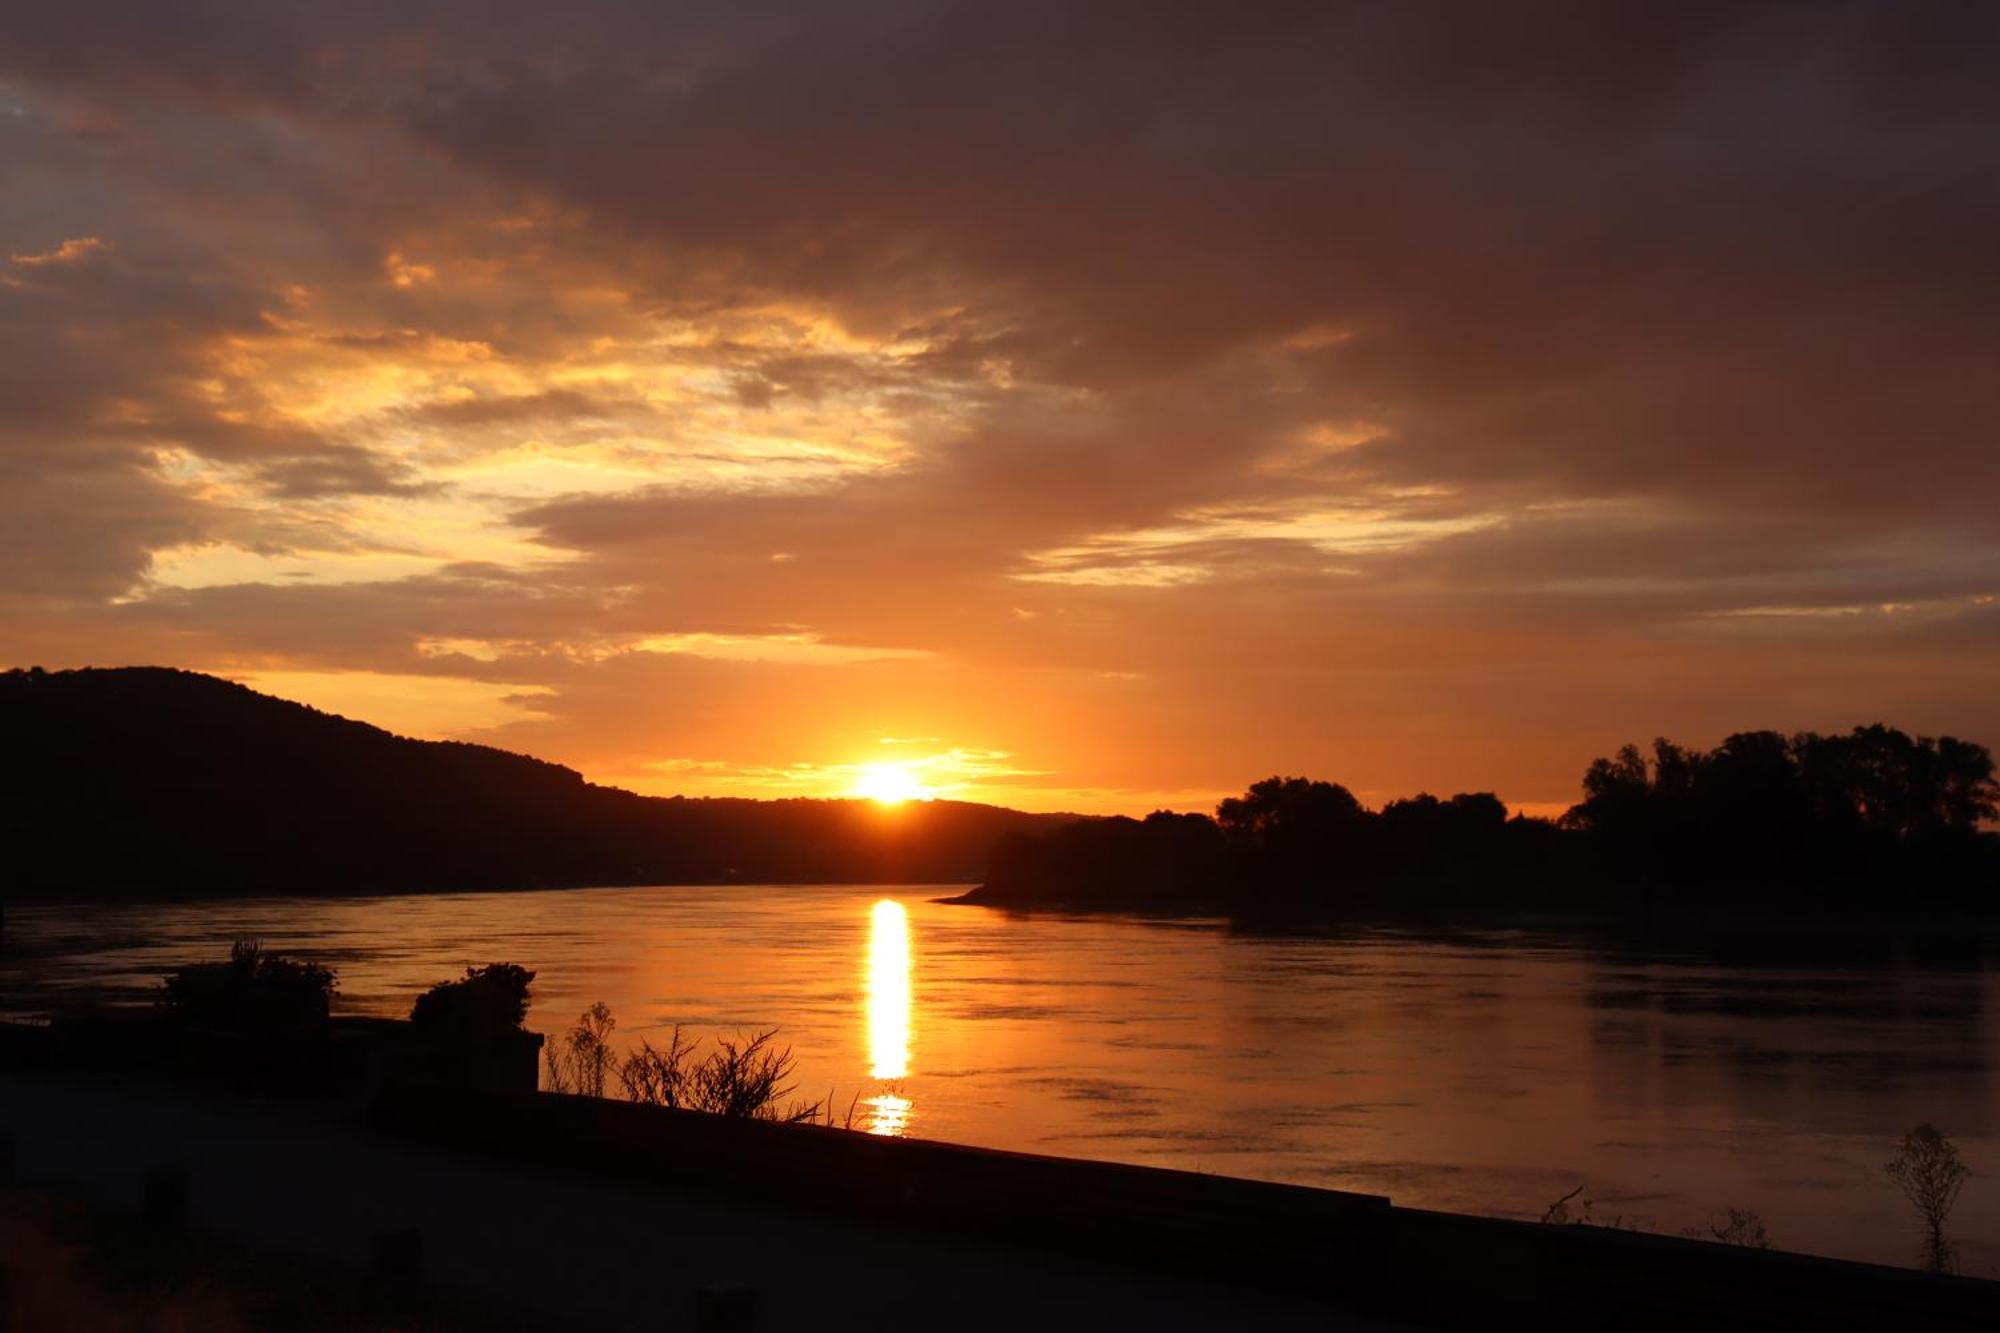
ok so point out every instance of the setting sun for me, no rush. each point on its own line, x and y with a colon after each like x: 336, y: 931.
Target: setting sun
x: 891, y: 784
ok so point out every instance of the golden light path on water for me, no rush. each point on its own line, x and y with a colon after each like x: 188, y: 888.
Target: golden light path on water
x: 888, y: 1013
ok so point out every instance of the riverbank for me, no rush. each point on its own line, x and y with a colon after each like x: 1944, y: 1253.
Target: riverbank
x: 605, y: 1215
x: 554, y: 1228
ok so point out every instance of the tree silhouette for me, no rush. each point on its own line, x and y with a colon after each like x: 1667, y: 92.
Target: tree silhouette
x: 1929, y: 1173
x: 1294, y: 828
x: 1872, y: 820
x: 1869, y: 808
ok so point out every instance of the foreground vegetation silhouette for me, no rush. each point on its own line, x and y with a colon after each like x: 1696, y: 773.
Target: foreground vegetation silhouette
x: 253, y: 993
x: 486, y: 1005
x: 1928, y: 1171
x: 746, y: 1078
x: 459, y: 1028
x: 1874, y: 820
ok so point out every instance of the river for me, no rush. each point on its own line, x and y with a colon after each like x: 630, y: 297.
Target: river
x: 1489, y: 1072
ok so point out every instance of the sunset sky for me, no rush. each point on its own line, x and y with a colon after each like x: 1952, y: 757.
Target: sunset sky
x: 1068, y: 406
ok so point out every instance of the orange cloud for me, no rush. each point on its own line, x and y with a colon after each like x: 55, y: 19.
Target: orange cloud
x: 69, y: 252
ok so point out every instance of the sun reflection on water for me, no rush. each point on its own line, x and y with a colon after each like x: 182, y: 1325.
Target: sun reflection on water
x: 888, y: 1013
x: 887, y: 1113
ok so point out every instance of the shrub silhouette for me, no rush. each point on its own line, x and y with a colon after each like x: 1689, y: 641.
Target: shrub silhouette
x: 1737, y: 1226
x: 743, y: 1078
x: 747, y: 1079
x: 1560, y: 1214
x: 657, y: 1077
x: 582, y: 1059
x: 254, y: 992
x: 1930, y: 1175
x: 482, y: 1007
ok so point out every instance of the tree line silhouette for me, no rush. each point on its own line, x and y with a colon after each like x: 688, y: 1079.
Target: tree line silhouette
x: 1875, y: 819
x: 155, y: 782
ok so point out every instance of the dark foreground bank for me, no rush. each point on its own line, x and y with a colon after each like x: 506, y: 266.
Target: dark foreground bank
x: 516, y: 1217
x: 602, y: 1214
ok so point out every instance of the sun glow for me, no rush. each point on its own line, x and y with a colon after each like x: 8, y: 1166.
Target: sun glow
x: 891, y: 784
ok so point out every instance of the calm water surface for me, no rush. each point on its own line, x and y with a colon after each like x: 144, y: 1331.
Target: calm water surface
x: 1489, y: 1073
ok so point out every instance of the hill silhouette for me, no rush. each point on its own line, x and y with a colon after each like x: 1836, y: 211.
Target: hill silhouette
x: 148, y: 781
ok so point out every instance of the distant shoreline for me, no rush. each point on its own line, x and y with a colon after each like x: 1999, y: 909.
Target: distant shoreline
x: 147, y: 897
x: 1860, y: 937
x: 1337, y: 904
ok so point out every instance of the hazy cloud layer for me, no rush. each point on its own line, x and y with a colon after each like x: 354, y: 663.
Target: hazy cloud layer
x: 1132, y: 401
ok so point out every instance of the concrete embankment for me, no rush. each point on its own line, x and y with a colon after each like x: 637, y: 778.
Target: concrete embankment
x: 594, y: 1214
